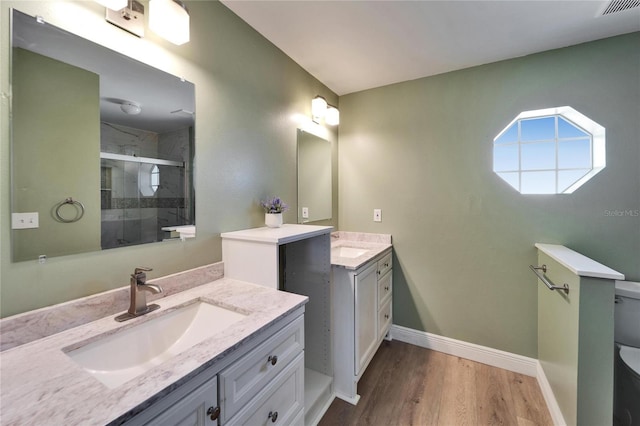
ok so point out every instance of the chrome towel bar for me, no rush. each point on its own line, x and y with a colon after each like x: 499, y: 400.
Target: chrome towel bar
x: 546, y: 281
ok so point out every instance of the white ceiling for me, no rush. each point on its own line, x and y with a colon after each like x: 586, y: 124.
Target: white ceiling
x: 356, y: 45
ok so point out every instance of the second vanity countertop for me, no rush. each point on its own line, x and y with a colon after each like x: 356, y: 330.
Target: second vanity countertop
x: 42, y: 385
x: 372, y: 244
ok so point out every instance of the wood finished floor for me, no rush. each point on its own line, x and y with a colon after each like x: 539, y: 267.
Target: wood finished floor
x: 410, y: 385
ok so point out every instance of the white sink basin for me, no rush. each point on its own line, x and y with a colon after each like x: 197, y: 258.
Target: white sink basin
x: 350, y: 252
x: 122, y: 356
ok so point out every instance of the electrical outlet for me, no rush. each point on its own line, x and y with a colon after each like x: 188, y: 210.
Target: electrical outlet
x: 24, y: 220
x: 377, y: 215
x: 305, y: 212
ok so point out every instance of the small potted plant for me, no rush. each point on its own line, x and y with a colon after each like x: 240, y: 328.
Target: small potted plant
x: 273, y: 209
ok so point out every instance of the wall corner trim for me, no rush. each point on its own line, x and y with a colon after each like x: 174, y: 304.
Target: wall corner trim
x: 486, y: 355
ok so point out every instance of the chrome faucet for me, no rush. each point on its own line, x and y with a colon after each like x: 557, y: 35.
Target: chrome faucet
x: 139, y: 287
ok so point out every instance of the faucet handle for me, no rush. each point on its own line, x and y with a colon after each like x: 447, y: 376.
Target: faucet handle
x: 139, y: 274
x: 142, y: 269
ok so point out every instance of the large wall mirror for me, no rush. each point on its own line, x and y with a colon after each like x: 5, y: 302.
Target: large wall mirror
x: 314, y: 178
x: 102, y: 146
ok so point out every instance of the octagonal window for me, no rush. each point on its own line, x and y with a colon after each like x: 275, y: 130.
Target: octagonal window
x: 549, y: 151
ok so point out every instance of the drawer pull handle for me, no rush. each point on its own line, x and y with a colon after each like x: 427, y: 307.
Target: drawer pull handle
x: 213, y: 412
x: 387, y: 288
x: 386, y: 316
x: 273, y: 415
x: 273, y: 359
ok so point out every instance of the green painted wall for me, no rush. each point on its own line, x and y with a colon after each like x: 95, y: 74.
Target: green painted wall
x: 250, y: 99
x: 51, y: 159
x: 422, y: 152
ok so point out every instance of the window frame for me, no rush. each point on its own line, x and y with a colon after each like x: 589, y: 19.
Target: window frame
x: 595, y: 134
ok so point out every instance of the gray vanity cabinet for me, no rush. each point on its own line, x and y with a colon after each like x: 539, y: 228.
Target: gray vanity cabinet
x: 261, y: 382
x: 361, y: 303
x: 366, y: 314
x: 195, y: 409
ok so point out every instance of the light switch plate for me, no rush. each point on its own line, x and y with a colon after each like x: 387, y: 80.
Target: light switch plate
x: 377, y: 215
x: 24, y: 220
x: 305, y: 212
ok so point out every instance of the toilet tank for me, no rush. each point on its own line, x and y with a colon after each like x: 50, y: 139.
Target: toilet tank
x: 627, y: 313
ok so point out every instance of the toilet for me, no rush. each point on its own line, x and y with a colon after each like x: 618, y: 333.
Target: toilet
x: 627, y: 358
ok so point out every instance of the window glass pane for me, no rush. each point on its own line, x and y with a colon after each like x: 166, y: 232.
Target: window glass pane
x: 538, y: 183
x: 538, y: 156
x: 566, y: 178
x: 568, y: 130
x: 537, y: 129
x: 505, y: 158
x: 547, y: 152
x: 509, y: 136
x: 512, y: 179
x: 574, y: 154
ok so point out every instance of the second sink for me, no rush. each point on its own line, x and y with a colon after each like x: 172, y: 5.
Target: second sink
x: 119, y: 357
x: 350, y: 252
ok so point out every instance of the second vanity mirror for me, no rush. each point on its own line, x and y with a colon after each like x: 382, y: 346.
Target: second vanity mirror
x: 102, y: 146
x: 314, y: 178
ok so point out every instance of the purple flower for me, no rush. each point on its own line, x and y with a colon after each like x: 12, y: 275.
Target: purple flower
x: 274, y: 205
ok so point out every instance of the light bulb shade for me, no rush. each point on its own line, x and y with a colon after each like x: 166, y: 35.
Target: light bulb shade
x: 332, y: 118
x: 170, y: 20
x: 113, y: 4
x: 318, y: 108
x: 131, y: 108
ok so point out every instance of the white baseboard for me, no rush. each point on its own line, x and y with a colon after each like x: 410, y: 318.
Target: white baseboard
x: 494, y: 357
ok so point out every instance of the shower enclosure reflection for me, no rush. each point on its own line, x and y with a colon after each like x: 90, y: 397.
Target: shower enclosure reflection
x: 143, y: 184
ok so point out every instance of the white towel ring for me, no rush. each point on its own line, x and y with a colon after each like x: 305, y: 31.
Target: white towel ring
x: 79, y: 210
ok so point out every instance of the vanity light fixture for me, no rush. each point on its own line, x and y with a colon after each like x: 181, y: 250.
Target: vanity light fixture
x: 125, y: 14
x: 113, y: 4
x: 332, y: 117
x: 170, y: 20
x: 321, y: 109
x: 167, y: 18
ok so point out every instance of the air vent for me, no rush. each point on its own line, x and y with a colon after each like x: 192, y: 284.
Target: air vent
x: 615, y: 6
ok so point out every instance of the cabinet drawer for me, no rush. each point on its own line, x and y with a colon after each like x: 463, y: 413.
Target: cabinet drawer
x: 280, y: 402
x: 192, y: 409
x: 384, y: 319
x: 242, y: 380
x: 385, y: 288
x: 384, y: 264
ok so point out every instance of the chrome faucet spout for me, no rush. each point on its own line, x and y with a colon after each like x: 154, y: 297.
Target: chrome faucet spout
x: 151, y: 288
x: 138, y: 288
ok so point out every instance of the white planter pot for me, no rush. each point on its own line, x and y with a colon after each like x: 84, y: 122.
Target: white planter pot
x: 273, y: 220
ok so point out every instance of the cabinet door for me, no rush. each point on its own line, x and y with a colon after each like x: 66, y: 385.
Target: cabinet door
x: 366, y: 310
x: 192, y: 409
x: 279, y: 403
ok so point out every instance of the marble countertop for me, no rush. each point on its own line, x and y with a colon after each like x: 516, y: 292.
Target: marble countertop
x: 374, y: 244
x: 42, y: 385
x: 287, y: 233
x: 577, y: 263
